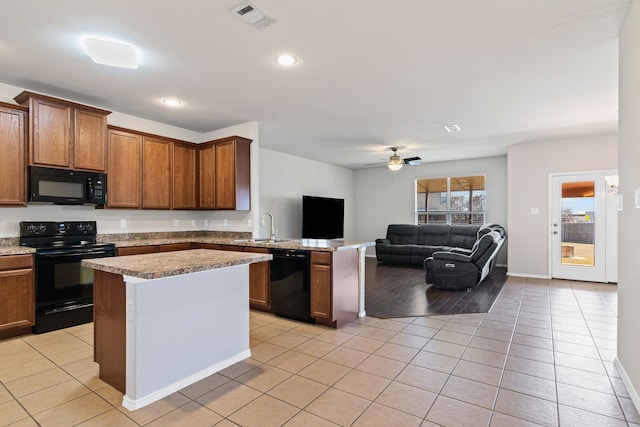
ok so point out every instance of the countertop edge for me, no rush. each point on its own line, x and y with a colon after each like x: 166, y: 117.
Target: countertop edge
x: 295, y: 244
x: 126, y: 265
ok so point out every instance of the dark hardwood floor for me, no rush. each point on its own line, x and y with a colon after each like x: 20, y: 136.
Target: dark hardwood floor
x: 400, y: 291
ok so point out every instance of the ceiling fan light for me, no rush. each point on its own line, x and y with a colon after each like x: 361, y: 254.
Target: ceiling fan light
x: 395, y: 163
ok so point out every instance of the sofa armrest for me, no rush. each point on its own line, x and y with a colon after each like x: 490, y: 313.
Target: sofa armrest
x: 451, y: 256
x: 383, y: 241
x: 462, y: 251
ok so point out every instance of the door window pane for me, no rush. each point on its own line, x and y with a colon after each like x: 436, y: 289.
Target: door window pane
x: 578, y: 226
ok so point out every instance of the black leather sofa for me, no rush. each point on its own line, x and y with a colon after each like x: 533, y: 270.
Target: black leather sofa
x: 459, y: 269
x: 412, y: 244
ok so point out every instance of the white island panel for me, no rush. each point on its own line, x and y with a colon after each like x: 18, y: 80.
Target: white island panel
x: 181, y: 329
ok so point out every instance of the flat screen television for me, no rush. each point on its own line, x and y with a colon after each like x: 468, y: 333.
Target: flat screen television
x: 322, y: 218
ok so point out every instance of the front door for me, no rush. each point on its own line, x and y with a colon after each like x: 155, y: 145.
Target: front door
x: 578, y: 219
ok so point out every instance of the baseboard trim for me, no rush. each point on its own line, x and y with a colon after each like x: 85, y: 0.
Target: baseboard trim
x: 528, y: 276
x: 635, y: 398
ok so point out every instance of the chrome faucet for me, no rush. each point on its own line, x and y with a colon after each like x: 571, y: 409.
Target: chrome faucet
x: 274, y: 233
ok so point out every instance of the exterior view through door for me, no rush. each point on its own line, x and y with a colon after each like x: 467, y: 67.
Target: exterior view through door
x: 579, y: 226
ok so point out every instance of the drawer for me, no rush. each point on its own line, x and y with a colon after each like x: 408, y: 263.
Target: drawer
x: 170, y: 247
x: 137, y: 250
x: 256, y: 250
x: 15, y: 262
x: 323, y: 258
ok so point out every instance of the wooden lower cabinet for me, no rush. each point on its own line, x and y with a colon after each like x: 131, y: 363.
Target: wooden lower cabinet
x: 17, y: 295
x: 205, y: 246
x: 170, y: 247
x: 259, y: 280
x: 321, y: 286
x: 334, y: 286
x: 137, y: 250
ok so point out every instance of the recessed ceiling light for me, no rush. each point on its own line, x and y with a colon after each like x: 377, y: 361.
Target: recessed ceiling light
x: 109, y: 52
x: 286, y: 59
x: 452, y: 128
x: 172, y: 102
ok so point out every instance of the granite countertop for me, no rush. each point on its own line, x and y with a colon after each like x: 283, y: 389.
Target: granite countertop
x: 164, y: 264
x: 298, y: 244
x: 16, y: 250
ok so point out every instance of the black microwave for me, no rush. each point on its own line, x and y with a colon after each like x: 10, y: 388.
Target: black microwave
x: 67, y: 187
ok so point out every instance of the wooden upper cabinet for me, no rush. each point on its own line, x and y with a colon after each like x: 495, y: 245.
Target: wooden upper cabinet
x: 156, y: 173
x: 50, y: 136
x: 65, y: 134
x: 206, y: 173
x: 12, y: 155
x: 184, y: 176
x: 233, y: 173
x: 90, y: 140
x: 225, y: 174
x: 124, y: 172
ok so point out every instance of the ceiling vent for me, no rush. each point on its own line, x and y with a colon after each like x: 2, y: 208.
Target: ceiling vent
x: 252, y: 15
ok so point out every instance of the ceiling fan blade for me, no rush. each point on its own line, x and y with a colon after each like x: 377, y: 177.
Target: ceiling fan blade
x: 413, y: 161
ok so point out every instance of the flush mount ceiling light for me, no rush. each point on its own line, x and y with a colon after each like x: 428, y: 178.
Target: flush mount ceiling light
x: 286, y: 59
x: 172, y: 102
x: 452, y: 128
x: 109, y: 52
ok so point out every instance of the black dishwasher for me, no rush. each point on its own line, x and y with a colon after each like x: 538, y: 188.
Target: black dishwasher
x: 290, y: 296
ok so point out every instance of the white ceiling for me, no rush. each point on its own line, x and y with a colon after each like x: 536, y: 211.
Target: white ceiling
x: 371, y: 74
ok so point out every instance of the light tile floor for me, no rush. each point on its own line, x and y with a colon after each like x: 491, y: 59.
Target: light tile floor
x: 542, y: 356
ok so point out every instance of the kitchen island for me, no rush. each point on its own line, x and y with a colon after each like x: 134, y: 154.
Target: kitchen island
x: 337, y: 267
x: 163, y: 321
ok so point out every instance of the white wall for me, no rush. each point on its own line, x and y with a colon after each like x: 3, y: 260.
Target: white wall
x: 529, y: 166
x: 629, y: 217
x: 285, y: 178
x: 384, y: 197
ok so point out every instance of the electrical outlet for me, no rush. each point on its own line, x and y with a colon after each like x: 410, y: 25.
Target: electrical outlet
x: 206, y: 222
x: 225, y: 223
x: 130, y: 311
x: 176, y: 222
x: 193, y: 222
x: 123, y: 223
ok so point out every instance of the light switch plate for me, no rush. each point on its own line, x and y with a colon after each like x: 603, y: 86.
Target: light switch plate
x: 123, y: 223
x: 176, y: 222
x: 535, y: 211
x: 637, y: 198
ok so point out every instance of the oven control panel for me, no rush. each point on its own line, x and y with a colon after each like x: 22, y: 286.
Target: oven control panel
x: 50, y: 228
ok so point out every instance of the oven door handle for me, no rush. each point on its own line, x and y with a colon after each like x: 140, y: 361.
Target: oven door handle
x: 63, y: 254
x: 68, y: 308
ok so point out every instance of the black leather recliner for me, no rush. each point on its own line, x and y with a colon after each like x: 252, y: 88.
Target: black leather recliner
x: 456, y: 269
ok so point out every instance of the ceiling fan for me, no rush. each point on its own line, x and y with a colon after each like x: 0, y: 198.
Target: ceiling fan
x: 395, y: 162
